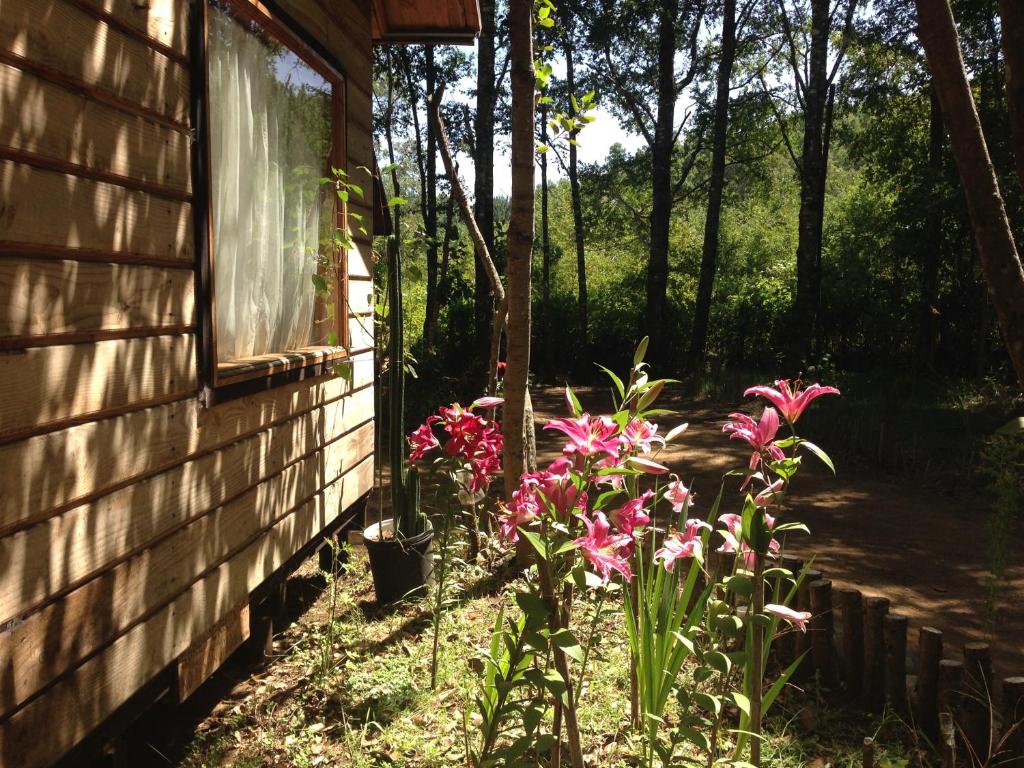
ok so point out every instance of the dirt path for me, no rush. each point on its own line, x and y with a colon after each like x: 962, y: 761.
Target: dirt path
x: 884, y: 536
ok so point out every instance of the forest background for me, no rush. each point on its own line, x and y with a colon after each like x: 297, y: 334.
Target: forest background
x: 782, y: 200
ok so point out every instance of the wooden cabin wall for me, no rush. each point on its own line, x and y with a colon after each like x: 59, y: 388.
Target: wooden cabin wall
x: 132, y: 519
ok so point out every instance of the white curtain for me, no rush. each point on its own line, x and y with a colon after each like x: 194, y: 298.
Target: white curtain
x: 267, y: 158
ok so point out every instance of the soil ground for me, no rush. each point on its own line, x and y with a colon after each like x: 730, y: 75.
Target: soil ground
x: 883, y: 535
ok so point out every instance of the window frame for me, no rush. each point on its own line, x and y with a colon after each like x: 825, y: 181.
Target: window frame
x: 226, y: 381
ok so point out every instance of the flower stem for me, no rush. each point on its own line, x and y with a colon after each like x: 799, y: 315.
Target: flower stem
x: 757, y: 662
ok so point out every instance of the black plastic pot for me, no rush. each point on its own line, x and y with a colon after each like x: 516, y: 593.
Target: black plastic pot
x: 401, y: 568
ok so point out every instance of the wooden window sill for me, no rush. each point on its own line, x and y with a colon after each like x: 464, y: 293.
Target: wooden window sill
x: 238, y: 378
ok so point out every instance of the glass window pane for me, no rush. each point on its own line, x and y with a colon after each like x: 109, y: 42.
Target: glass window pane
x: 270, y: 144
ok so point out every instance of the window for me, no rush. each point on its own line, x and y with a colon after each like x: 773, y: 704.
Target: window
x: 273, y: 133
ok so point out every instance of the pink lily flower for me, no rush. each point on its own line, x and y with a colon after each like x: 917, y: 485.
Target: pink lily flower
x: 588, y: 436
x: 676, y: 494
x: 790, y: 400
x: 614, y: 480
x: 733, y: 535
x: 770, y: 495
x: 556, y: 485
x: 798, y: 619
x: 422, y: 441
x: 523, y: 508
x: 488, y: 402
x: 605, y: 552
x: 760, y: 435
x: 641, y: 435
x: 683, y: 544
x: 632, y: 514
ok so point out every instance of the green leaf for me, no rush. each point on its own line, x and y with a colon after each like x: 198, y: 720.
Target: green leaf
x: 641, y: 351
x: 577, y: 409
x: 741, y: 701
x: 397, y: 201
x: 819, y: 453
x: 538, y: 544
x: 320, y: 283
x: 565, y: 640
x: 620, y: 388
x: 706, y: 701
x: 741, y: 585
x: 718, y: 661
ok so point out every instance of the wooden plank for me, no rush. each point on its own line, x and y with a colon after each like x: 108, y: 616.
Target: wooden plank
x: 205, y: 655
x: 66, y: 211
x: 61, y: 37
x: 39, y: 298
x: 360, y: 261
x: 55, y: 122
x: 68, y: 549
x: 79, y: 702
x: 166, y: 21
x: 46, y: 386
x: 360, y: 332
x: 33, y: 652
x: 103, y: 455
x: 360, y: 298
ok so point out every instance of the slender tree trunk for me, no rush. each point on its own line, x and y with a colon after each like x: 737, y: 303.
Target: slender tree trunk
x: 577, y: 209
x: 545, y: 248
x: 812, y: 191
x: 932, y: 252
x: 483, y: 184
x: 709, y: 254
x: 444, y: 280
x: 518, y: 433
x: 826, y: 144
x: 996, y: 248
x: 430, y: 221
x: 1011, y: 16
x: 661, y: 183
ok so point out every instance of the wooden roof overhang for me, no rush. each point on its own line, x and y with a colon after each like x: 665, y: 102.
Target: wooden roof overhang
x: 426, y: 21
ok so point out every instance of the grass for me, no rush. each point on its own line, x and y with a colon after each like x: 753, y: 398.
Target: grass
x: 364, y: 700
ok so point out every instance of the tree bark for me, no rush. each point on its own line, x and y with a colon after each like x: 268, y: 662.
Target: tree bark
x: 518, y: 432
x: 545, y: 248
x: 577, y: 209
x: 430, y: 221
x: 483, y: 183
x: 661, y: 183
x: 932, y: 251
x: 812, y: 190
x: 709, y: 254
x: 996, y: 248
x: 1011, y: 16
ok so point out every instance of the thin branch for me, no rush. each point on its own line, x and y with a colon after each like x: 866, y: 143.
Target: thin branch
x: 794, y: 65
x: 688, y: 166
x: 639, y: 110
x: 692, y: 45
x: 500, y: 319
x: 847, y: 30
x: 782, y: 125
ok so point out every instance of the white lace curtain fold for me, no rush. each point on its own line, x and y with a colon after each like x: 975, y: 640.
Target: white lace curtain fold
x: 266, y: 165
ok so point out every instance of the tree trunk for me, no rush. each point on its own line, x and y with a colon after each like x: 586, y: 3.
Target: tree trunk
x: 1011, y: 15
x: 996, y: 248
x: 577, y: 210
x: 545, y: 248
x: 430, y: 221
x: 444, y: 280
x: 661, y: 183
x: 931, y: 256
x: 812, y: 192
x: 709, y: 255
x: 520, y: 244
x: 483, y: 183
